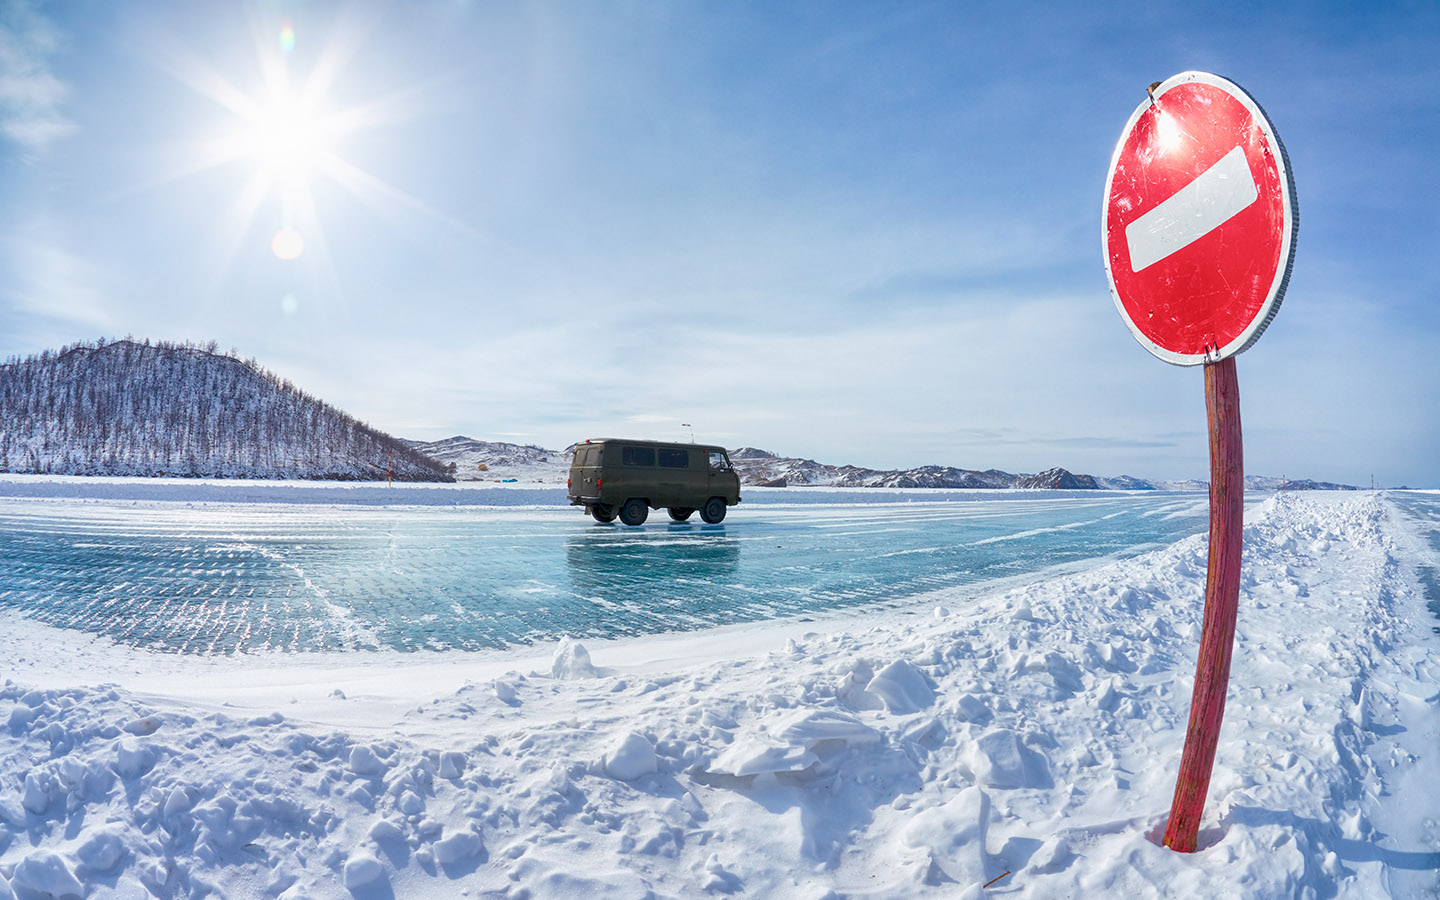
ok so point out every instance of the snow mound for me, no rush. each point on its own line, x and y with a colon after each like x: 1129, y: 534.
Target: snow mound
x: 808, y: 727
x: 998, y: 760
x: 458, y: 847
x: 784, y: 743
x: 365, y: 761
x: 630, y: 756
x: 901, y: 687
x: 362, y: 869
x: 571, y: 661
x: 750, y: 755
x: 46, y: 873
x: 952, y: 837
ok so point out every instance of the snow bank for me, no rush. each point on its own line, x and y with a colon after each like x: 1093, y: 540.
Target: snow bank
x: 1035, y: 732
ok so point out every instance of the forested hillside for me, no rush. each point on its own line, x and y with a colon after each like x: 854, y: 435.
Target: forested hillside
x: 137, y: 408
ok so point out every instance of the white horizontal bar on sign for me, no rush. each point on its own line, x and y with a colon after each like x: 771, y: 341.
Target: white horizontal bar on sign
x: 1192, y: 212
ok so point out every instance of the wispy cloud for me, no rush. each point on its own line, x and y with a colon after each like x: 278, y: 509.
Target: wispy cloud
x: 55, y: 284
x: 30, y: 95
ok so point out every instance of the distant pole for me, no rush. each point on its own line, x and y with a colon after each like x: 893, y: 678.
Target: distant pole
x: 1222, y: 597
x: 389, y: 466
x: 692, y: 430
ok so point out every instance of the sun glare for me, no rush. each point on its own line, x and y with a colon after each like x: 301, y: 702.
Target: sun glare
x: 287, y: 139
x: 289, y: 135
x: 1168, y: 132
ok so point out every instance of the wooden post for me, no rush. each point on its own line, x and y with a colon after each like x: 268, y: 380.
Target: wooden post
x: 1222, y: 596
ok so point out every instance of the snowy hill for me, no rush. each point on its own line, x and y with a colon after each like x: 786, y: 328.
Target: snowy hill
x: 1057, y: 479
x: 1127, y: 483
x: 1268, y: 483
x: 1252, y: 483
x: 765, y: 469
x: 477, y: 460
x: 130, y: 408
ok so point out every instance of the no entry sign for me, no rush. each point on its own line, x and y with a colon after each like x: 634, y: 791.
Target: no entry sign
x: 1199, y: 238
x: 1199, y: 222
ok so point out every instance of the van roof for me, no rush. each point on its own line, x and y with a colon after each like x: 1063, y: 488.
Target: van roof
x: 645, y: 443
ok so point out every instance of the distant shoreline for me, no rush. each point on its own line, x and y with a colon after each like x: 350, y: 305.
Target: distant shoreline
x: 16, y: 486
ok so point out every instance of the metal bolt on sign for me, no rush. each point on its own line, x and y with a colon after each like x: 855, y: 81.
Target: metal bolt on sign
x: 1198, y: 233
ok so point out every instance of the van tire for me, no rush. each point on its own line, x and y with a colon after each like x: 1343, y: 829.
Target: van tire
x: 681, y: 513
x: 714, y: 511
x: 634, y: 512
x: 603, y: 512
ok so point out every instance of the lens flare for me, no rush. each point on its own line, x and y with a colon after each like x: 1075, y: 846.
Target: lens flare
x: 287, y: 243
x: 1169, y: 133
x: 287, y: 38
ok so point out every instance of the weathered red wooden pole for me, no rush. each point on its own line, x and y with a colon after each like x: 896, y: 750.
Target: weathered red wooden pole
x: 1222, y: 597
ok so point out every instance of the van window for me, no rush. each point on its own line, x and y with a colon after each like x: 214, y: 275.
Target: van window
x: 718, y: 462
x: 638, y: 456
x: 675, y: 459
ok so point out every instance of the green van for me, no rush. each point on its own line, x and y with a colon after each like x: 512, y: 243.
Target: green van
x: 612, y: 477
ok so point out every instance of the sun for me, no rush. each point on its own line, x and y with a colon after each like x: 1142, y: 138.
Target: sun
x: 287, y: 135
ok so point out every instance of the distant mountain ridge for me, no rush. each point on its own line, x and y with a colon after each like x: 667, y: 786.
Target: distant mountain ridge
x: 149, y: 409
x: 761, y: 468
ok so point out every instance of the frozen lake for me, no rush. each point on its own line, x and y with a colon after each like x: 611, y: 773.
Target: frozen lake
x: 241, y: 577
x: 1424, y: 513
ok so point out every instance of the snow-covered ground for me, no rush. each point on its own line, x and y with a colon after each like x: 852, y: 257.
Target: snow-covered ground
x: 907, y: 752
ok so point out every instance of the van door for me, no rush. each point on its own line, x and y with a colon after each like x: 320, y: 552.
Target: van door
x: 635, y: 477
x: 584, y: 472
x: 674, y: 462
x: 697, y: 479
x: 721, y: 475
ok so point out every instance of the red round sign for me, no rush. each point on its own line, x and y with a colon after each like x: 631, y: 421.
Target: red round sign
x: 1199, y: 223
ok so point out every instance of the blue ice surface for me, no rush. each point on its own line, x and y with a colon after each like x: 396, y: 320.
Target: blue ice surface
x: 1424, y: 512
x: 247, y: 577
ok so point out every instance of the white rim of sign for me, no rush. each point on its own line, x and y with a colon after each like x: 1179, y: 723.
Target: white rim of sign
x: 1276, y: 293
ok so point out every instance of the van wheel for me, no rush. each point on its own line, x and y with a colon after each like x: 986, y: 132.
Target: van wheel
x: 634, y: 512
x: 603, y: 512
x: 714, y: 511
x: 681, y: 513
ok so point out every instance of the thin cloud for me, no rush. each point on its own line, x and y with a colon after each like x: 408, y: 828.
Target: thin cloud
x: 58, y: 285
x: 30, y: 95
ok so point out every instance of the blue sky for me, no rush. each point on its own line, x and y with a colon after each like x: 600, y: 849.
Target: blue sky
x: 866, y: 233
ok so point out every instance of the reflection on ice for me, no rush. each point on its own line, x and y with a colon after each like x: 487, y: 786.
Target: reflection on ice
x: 624, y: 563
